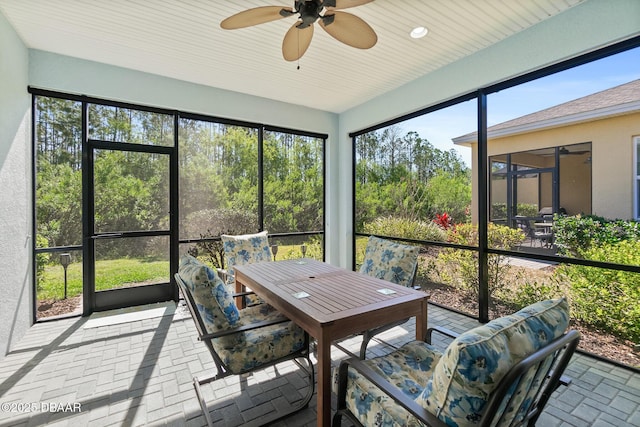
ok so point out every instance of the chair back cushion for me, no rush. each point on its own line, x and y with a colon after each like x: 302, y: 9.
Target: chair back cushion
x: 245, y: 249
x: 213, y: 300
x: 473, y: 365
x: 390, y: 261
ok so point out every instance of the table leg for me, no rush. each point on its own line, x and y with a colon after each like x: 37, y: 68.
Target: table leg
x: 324, y: 383
x: 421, y: 321
x: 239, y: 300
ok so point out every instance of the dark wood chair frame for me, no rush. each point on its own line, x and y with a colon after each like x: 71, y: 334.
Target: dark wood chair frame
x: 560, y: 351
x: 223, y: 371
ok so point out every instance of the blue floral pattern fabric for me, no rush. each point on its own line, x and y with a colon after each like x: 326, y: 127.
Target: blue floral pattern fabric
x: 211, y: 295
x: 262, y: 345
x: 245, y: 249
x: 456, y: 384
x: 391, y: 261
x: 243, y: 350
x: 408, y: 368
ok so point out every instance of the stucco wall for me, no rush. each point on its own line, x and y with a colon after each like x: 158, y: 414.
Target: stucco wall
x: 15, y: 190
x: 610, y: 188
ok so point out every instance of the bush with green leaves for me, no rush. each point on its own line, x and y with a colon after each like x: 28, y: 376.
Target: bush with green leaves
x: 42, y: 259
x: 499, y: 210
x: 402, y: 227
x: 606, y: 298
x: 461, y: 265
x: 574, y: 235
x: 527, y: 291
x: 215, y: 222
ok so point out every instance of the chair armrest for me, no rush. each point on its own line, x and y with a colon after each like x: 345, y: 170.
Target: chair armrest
x: 223, y: 274
x: 444, y: 331
x: 243, y: 328
x: 242, y: 294
x: 389, y: 389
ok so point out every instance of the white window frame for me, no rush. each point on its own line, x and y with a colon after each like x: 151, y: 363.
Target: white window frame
x: 636, y: 180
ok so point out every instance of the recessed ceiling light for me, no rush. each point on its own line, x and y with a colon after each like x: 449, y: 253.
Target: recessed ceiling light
x: 418, y: 32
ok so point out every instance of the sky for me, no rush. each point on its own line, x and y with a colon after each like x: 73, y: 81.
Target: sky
x: 441, y: 126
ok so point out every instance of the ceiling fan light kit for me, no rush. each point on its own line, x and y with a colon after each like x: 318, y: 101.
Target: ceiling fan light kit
x: 342, y: 26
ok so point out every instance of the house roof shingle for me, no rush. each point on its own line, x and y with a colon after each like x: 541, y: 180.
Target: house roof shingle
x: 620, y: 99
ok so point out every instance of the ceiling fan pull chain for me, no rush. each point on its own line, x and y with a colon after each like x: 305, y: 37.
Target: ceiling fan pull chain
x: 298, y: 67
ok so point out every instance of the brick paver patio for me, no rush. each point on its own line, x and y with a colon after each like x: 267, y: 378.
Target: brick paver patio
x: 116, y: 369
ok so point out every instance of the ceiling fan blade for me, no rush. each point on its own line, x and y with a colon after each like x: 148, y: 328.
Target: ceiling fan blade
x: 349, y: 29
x: 255, y: 16
x: 344, y: 4
x: 296, y: 42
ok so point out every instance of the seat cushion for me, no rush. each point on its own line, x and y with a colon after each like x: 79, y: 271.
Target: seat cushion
x: 390, y: 261
x: 409, y: 368
x: 475, y: 362
x: 256, y: 347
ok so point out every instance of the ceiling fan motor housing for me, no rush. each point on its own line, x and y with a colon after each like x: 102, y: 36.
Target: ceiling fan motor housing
x: 309, y: 11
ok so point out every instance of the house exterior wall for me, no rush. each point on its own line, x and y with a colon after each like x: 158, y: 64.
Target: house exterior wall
x: 610, y: 189
x: 15, y: 190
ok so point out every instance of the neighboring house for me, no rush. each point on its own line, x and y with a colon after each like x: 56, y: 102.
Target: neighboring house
x: 561, y: 158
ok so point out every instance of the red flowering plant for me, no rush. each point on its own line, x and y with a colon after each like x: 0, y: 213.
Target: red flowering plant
x: 444, y: 221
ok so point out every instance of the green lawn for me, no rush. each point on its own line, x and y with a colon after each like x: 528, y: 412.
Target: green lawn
x: 126, y: 272
x: 109, y: 274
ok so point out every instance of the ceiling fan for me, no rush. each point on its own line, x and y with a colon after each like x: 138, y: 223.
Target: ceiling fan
x: 343, y: 26
x: 564, y: 151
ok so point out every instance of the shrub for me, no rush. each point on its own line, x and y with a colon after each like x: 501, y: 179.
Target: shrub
x: 606, y: 298
x: 215, y: 222
x: 462, y: 265
x: 42, y: 259
x: 574, y: 235
x: 499, y: 210
x: 444, y: 221
x: 401, y: 227
x: 528, y: 292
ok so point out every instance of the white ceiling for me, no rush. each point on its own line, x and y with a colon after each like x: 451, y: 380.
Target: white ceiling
x: 182, y: 39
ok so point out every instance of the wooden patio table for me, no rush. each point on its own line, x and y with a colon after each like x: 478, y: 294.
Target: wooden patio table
x: 330, y: 303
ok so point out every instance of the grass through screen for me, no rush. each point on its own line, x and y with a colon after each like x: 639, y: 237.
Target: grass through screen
x: 109, y: 274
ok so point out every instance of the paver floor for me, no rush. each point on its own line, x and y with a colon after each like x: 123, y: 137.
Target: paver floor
x: 123, y: 369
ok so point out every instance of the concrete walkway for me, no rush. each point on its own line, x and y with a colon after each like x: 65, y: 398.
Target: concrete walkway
x: 136, y: 368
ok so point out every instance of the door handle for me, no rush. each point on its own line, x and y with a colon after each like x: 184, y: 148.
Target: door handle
x: 107, y: 236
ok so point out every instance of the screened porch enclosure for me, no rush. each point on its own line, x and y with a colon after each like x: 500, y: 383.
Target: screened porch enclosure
x: 535, y: 185
x: 123, y: 190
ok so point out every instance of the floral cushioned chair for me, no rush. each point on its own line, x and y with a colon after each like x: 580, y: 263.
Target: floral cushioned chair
x: 245, y: 249
x: 391, y: 261
x: 240, y: 341
x: 501, y: 373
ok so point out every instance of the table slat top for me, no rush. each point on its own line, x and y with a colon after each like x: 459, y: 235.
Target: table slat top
x: 333, y: 292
